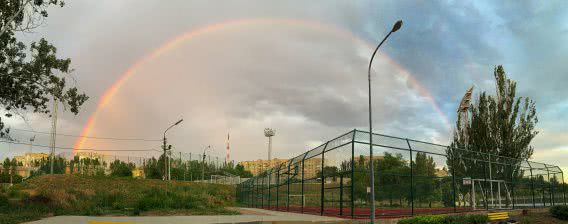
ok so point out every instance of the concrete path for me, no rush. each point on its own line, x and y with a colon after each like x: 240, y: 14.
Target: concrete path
x: 250, y: 215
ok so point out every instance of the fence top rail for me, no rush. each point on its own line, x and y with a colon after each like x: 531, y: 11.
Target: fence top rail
x: 494, y: 156
x: 350, y: 136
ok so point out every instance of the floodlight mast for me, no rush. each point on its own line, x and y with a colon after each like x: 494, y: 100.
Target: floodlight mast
x: 269, y: 132
x: 203, y: 163
x: 463, y: 114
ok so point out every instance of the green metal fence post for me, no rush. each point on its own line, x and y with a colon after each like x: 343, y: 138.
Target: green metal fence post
x: 322, y: 179
x: 532, y: 185
x: 488, y: 159
x: 341, y: 194
x: 564, y: 187
x: 288, y: 194
x: 454, y: 178
x: 303, y: 193
x: 269, y: 181
x: 262, y: 192
x: 278, y: 188
x: 513, y: 187
x: 353, y: 173
x: 411, y: 179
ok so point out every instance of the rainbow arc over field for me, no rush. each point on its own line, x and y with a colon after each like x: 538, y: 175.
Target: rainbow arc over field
x: 234, y: 25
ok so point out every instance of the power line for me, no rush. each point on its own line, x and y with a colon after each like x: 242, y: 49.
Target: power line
x: 43, y: 146
x: 91, y: 149
x: 91, y: 137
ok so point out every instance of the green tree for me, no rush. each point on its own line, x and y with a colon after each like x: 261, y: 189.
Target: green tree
x: 502, y: 125
x: 154, y: 169
x: 29, y: 80
x: 329, y: 172
x: 391, y: 183
x: 59, y: 164
x: 426, y: 184
x: 121, y: 169
x: 240, y: 171
x: 361, y: 179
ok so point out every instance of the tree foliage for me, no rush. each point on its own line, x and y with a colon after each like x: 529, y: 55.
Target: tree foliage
x: 30, y: 79
x: 501, y: 125
x: 121, y: 169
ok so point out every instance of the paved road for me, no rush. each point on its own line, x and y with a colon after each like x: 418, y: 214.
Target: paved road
x: 249, y: 215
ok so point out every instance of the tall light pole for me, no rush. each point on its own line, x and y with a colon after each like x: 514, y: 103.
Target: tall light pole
x: 396, y: 27
x: 167, y: 175
x: 32, y: 139
x: 203, y: 164
x: 269, y: 132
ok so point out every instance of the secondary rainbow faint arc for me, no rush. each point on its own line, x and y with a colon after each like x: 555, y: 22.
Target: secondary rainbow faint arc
x: 108, y: 94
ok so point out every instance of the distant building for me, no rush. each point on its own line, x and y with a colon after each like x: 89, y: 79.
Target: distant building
x: 442, y: 172
x: 311, y: 166
x: 31, y: 159
x: 27, y: 163
x: 258, y: 166
x: 87, y: 163
x: 90, y: 155
x: 19, y: 170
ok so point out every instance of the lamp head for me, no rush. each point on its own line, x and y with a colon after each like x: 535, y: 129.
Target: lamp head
x: 396, y: 26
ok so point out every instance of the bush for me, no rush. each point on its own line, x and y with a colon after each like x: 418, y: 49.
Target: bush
x: 3, y: 201
x: 452, y: 219
x: 433, y: 219
x: 559, y: 212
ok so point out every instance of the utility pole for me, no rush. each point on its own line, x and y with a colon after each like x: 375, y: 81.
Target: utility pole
x: 53, y: 133
x: 170, y: 162
x: 165, y: 158
x: 167, y: 148
x: 203, y: 164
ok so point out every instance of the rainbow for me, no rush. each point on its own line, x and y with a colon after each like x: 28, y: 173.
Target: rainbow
x: 171, y: 44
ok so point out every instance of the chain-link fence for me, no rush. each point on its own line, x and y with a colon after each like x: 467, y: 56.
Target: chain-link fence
x: 411, y: 177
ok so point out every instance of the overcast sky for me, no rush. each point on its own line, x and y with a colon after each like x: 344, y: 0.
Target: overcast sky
x: 300, y: 67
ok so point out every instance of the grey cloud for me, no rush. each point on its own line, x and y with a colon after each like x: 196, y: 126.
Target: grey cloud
x: 310, y: 86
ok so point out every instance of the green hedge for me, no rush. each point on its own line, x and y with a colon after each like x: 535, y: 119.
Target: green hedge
x: 559, y: 212
x: 451, y: 219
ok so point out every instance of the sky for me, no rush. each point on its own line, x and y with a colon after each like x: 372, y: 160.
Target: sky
x: 298, y: 67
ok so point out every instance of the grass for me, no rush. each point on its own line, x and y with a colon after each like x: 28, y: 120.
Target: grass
x: 87, y: 195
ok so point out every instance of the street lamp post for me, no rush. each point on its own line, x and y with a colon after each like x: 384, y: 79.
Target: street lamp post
x: 203, y: 164
x: 396, y: 27
x: 167, y: 174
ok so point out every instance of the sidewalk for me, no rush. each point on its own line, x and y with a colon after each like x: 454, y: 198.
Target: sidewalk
x: 249, y: 215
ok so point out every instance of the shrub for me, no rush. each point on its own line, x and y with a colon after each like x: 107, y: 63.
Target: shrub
x: 559, y: 212
x: 452, y: 219
x: 434, y: 219
x: 3, y: 201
